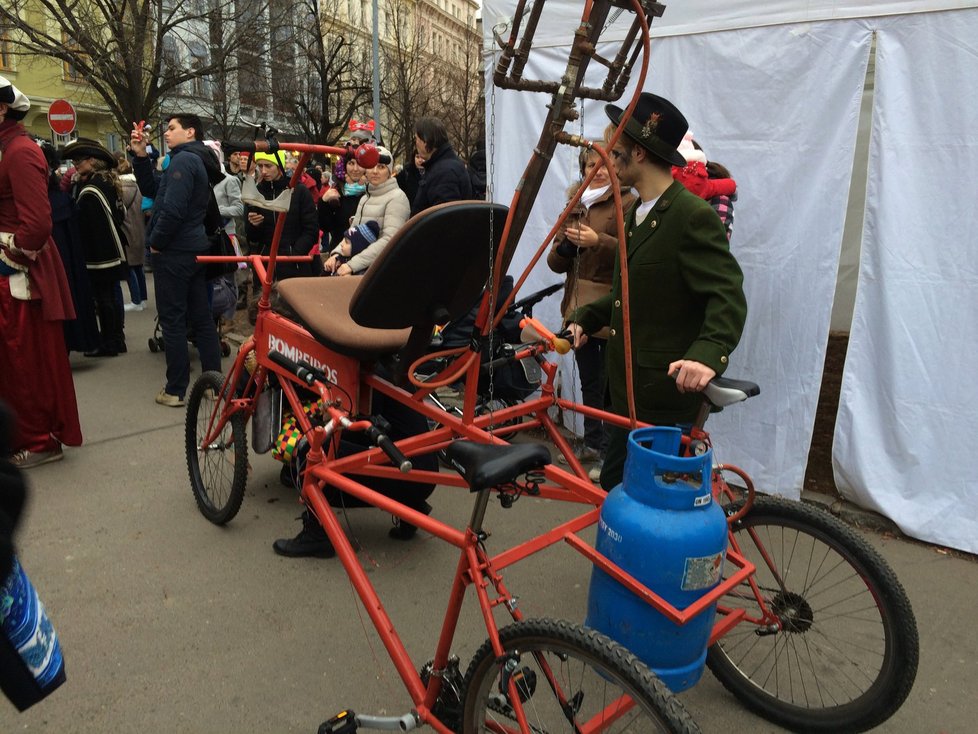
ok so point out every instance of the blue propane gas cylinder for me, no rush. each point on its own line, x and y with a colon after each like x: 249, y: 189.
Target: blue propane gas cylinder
x: 661, y: 526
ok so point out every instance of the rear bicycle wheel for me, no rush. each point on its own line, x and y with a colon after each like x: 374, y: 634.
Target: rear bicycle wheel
x: 219, y: 467
x: 569, y: 679
x: 843, y: 656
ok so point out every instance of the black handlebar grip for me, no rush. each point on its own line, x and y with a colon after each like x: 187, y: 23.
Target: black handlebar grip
x: 237, y: 146
x: 384, y: 443
x: 303, y: 373
x: 394, y: 454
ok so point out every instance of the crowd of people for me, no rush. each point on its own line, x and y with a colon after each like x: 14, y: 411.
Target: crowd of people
x: 68, y: 242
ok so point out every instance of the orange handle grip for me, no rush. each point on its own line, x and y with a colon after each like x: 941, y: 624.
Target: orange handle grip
x: 559, y: 345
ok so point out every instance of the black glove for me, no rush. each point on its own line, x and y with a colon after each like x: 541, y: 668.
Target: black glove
x: 566, y: 249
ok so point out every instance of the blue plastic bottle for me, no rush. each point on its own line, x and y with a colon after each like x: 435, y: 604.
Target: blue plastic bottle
x: 661, y: 526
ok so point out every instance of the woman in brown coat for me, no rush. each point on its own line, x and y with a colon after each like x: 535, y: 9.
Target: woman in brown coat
x: 586, y: 252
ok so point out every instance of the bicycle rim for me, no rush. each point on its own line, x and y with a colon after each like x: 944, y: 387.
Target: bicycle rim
x: 218, y: 467
x: 569, y: 679
x: 844, y: 655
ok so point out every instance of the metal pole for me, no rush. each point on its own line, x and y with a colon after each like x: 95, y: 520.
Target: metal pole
x: 377, y: 131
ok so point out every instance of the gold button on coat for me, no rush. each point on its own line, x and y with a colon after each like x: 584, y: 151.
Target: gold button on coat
x: 723, y: 360
x: 617, y: 304
x: 612, y: 332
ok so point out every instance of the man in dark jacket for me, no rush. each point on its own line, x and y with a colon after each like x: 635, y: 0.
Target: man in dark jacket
x: 176, y: 236
x: 445, y: 177
x: 686, y: 301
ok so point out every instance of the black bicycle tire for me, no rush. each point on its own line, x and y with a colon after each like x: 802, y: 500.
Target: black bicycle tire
x: 593, y: 648
x: 217, y: 511
x: 899, y: 659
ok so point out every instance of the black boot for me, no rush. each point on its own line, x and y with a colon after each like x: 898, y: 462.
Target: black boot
x: 310, y: 542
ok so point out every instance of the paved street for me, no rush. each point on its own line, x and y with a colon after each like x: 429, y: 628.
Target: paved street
x: 170, y: 624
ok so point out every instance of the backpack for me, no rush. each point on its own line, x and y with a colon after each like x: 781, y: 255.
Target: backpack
x: 220, y: 242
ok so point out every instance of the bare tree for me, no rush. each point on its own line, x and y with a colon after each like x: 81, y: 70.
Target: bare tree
x: 328, y: 72
x: 462, y: 96
x: 411, y: 76
x: 135, y: 54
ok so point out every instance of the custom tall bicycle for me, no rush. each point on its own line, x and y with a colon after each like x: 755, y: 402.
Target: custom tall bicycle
x: 813, y: 629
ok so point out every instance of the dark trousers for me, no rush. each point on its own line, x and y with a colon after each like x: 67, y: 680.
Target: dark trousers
x: 181, y: 303
x: 109, y: 312
x: 613, y: 467
x: 590, y: 366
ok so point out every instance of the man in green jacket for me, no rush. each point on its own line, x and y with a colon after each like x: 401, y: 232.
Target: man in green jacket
x: 687, y: 305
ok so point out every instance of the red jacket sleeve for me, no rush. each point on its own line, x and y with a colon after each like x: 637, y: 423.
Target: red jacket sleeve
x: 30, y: 193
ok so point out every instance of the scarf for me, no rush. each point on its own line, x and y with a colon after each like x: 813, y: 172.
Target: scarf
x: 592, y: 195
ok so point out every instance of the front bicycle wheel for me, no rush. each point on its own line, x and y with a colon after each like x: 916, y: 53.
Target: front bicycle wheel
x: 569, y: 679
x: 841, y: 654
x: 218, y: 467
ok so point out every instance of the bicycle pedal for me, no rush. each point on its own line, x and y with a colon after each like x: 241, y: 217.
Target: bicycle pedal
x: 345, y: 722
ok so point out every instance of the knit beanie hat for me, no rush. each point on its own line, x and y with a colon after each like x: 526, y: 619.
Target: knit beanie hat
x: 278, y: 158
x: 362, y: 236
x: 386, y: 158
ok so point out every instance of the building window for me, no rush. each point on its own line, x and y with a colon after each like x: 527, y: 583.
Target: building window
x: 171, y: 61
x: 68, y: 70
x: 250, y: 79
x: 6, y: 50
x: 62, y: 140
x: 200, y: 87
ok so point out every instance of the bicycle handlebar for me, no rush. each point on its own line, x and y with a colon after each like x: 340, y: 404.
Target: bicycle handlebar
x: 268, y: 145
x: 534, y: 298
x: 511, y: 353
x: 305, y: 372
x: 385, y: 444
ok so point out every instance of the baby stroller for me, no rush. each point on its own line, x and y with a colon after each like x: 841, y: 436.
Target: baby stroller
x: 223, y: 294
x: 512, y: 382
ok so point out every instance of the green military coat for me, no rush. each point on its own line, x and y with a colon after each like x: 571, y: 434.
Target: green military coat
x: 687, y: 302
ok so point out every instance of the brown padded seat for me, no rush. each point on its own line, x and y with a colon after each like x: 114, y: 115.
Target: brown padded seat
x: 432, y: 271
x: 322, y: 305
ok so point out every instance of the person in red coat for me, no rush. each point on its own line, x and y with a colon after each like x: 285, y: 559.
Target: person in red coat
x: 34, y: 298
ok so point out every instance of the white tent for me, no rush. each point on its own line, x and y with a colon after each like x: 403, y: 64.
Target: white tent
x: 772, y: 89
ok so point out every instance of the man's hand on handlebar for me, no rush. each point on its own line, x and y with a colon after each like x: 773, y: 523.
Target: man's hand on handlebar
x: 690, y: 376
x: 578, y: 337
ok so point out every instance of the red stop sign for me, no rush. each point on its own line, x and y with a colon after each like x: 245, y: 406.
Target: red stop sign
x: 61, y: 117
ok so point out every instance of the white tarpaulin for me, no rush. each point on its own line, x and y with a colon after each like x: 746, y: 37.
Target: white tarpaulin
x: 909, y: 404
x: 778, y: 104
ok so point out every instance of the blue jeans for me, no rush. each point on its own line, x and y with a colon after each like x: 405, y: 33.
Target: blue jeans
x: 137, y: 284
x: 181, y: 303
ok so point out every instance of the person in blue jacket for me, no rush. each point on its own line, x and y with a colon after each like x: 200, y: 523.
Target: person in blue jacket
x: 176, y: 236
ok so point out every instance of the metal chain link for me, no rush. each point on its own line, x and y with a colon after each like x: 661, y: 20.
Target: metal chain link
x: 490, y: 195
